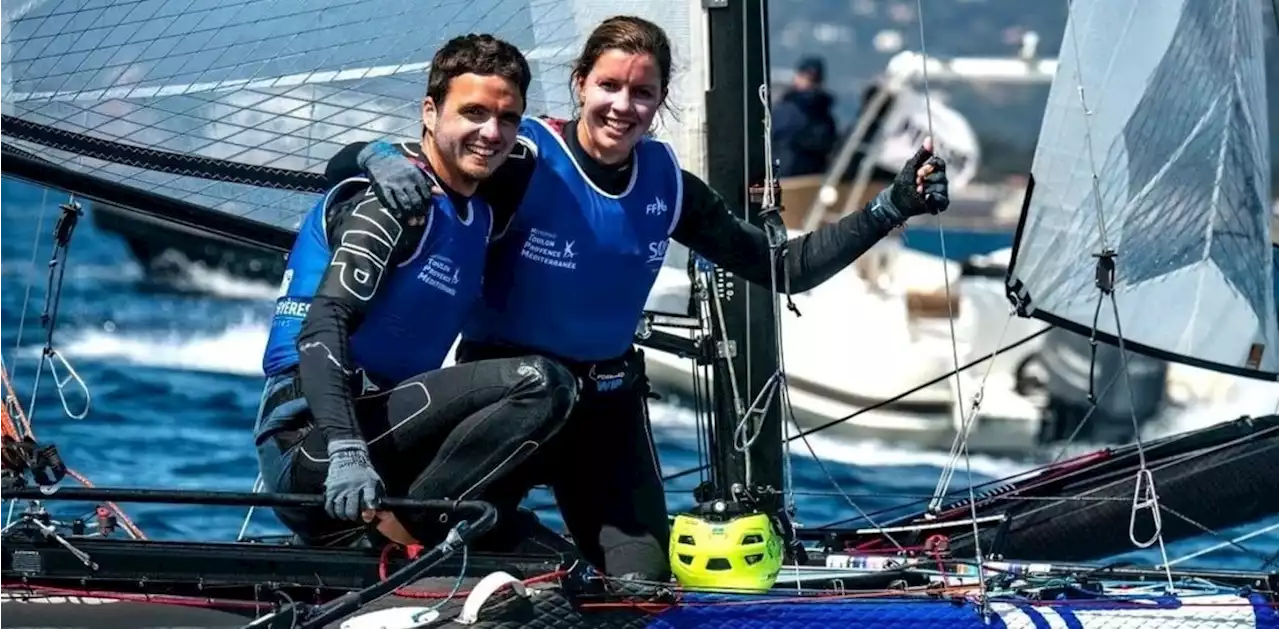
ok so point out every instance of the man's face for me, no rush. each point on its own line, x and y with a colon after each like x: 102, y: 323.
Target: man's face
x: 802, y: 81
x: 475, y: 127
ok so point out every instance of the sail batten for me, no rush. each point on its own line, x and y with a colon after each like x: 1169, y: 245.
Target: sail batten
x: 1154, y: 146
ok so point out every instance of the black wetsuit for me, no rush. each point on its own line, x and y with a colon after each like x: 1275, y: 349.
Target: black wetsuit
x: 445, y: 433
x: 603, y: 466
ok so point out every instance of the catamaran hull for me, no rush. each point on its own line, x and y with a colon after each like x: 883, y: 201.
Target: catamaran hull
x: 167, y: 252
x: 554, y: 608
x: 892, y: 613
x: 1218, y: 488
x: 87, y: 612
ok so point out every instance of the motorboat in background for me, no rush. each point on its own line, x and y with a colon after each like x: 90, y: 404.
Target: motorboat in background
x: 919, y: 306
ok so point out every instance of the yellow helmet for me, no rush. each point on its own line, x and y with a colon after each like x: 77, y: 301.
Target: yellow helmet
x: 742, y: 553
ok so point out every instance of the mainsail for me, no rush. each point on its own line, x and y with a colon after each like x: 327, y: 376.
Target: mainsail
x: 1155, y: 144
x: 223, y: 114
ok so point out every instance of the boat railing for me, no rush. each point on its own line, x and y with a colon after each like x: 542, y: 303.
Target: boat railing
x: 475, y: 509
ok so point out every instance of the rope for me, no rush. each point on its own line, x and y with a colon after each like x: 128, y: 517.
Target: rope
x: 12, y: 406
x: 962, y: 435
x: 1144, y: 491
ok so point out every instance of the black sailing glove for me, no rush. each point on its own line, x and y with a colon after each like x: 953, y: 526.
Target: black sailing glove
x: 399, y: 183
x: 919, y: 188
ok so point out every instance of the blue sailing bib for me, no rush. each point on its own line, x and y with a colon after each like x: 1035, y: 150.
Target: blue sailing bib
x: 305, y: 269
x: 571, y: 275
x: 418, y: 310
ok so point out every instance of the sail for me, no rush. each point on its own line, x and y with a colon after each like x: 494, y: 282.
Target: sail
x: 1165, y: 102
x: 234, y: 108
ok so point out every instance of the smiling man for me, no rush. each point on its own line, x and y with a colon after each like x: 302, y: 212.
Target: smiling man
x: 356, y: 403
x: 598, y: 201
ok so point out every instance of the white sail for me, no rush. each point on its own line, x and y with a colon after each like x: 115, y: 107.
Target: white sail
x: 236, y: 107
x: 1164, y: 102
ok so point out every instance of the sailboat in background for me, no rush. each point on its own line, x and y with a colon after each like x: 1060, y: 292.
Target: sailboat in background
x: 1145, y: 228
x: 104, y: 102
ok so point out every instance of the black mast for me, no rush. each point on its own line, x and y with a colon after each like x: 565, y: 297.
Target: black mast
x: 738, y: 45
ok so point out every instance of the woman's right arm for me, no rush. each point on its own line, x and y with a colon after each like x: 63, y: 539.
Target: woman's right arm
x: 403, y: 188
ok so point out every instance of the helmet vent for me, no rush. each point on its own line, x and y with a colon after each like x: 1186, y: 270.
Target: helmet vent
x: 754, y: 538
x: 686, y: 559
x: 718, y: 563
x: 687, y: 539
x: 753, y: 559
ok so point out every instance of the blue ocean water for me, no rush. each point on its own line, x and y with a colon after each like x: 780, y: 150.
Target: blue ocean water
x: 174, y: 382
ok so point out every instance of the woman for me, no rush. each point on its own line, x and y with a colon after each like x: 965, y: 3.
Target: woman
x: 595, y: 203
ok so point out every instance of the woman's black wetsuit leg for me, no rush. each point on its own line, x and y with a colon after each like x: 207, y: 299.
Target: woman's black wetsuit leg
x: 603, y: 468
x: 611, y: 493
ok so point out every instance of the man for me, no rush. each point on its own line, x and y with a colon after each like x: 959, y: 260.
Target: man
x: 594, y: 194
x: 356, y: 404
x: 804, y: 131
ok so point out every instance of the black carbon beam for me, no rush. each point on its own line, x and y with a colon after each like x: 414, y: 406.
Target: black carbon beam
x: 738, y: 45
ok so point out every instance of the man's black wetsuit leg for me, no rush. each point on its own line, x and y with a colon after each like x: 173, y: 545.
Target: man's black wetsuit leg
x: 448, y: 433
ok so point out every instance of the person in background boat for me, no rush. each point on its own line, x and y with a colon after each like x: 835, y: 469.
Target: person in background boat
x: 356, y: 404
x: 804, y: 131
x: 594, y: 203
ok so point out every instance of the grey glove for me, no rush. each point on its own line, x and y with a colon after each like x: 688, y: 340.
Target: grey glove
x: 398, y: 181
x: 904, y: 198
x: 352, y: 485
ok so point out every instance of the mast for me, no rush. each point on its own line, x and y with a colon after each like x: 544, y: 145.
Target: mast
x: 745, y: 346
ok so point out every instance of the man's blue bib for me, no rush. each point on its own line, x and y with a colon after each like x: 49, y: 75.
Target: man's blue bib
x: 573, y: 271
x: 307, y: 262
x: 417, y: 312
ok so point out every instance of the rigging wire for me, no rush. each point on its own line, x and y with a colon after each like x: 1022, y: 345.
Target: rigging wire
x: 771, y: 203
x: 801, y: 434
x: 1145, y: 497
x: 966, y: 425
x: 63, y: 231
x: 258, y: 485
x: 22, y: 318
x: 955, y: 351
x: 752, y: 419
x: 26, y: 298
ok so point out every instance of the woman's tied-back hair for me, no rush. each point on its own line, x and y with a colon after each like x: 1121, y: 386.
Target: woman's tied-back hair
x: 631, y: 35
x: 477, y: 54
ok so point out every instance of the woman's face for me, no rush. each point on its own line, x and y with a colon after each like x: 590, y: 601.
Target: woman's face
x: 620, y: 97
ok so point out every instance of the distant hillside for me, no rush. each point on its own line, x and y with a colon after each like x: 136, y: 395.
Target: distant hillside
x: 1007, y: 118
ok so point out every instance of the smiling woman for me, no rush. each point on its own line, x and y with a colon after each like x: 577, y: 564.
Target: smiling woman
x: 594, y: 202
x: 621, y: 81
